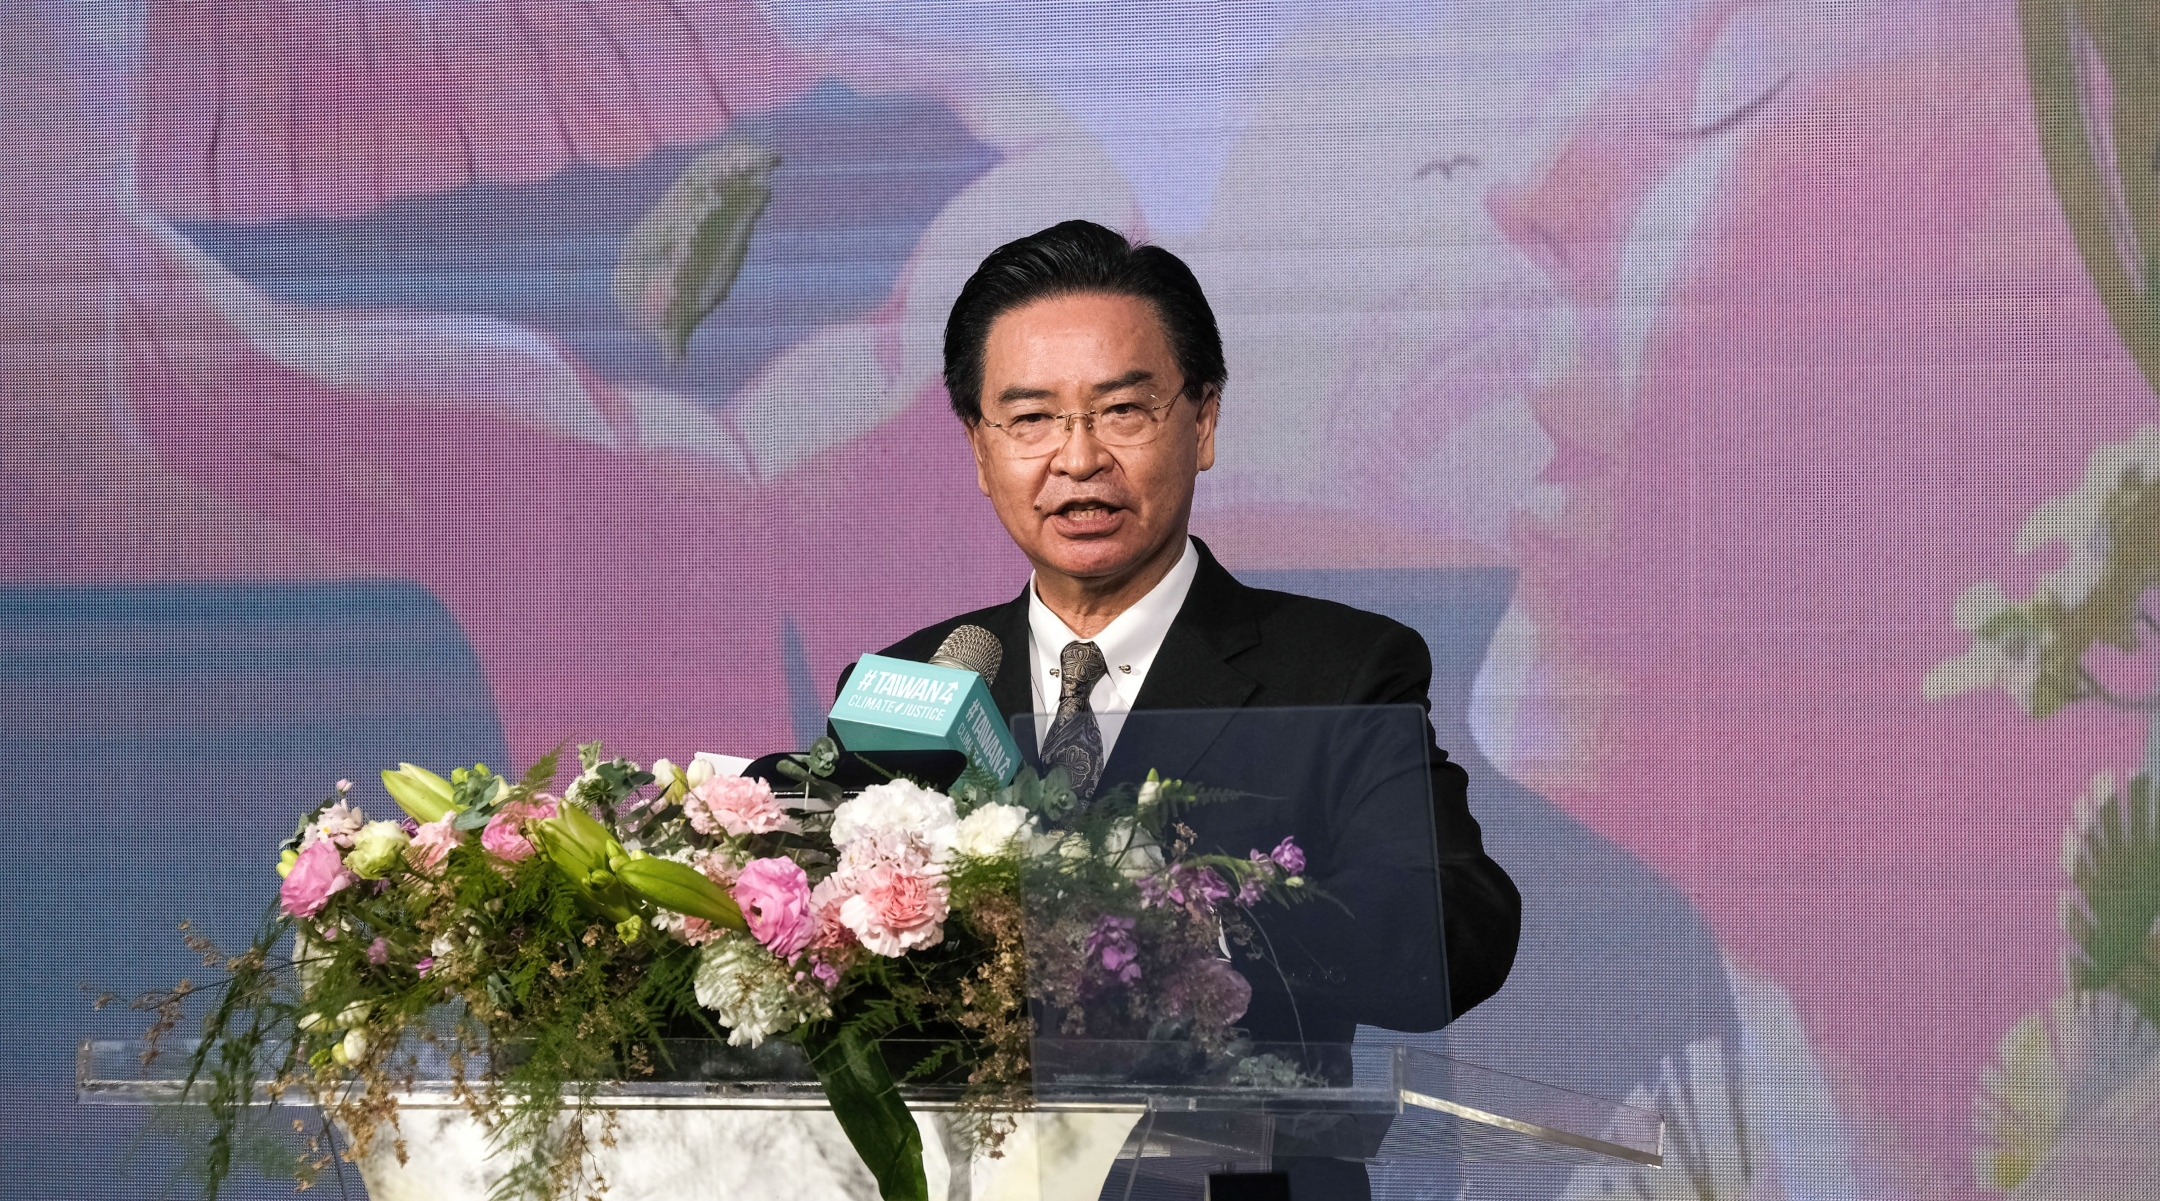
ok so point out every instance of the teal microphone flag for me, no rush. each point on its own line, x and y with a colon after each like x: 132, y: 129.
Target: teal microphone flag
x: 902, y: 705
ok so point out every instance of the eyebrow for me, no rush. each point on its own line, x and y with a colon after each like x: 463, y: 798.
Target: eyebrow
x: 1127, y: 380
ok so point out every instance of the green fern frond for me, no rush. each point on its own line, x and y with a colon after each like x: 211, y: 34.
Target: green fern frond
x: 2112, y: 856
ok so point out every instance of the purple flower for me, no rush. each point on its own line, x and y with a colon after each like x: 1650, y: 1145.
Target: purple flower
x: 378, y: 952
x: 426, y: 962
x: 1249, y: 893
x: 1112, y: 940
x: 1289, y: 857
x: 1199, y: 886
x: 1154, y: 890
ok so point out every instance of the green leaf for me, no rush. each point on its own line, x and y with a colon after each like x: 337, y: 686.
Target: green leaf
x: 869, y: 1108
x: 679, y: 262
x: 2112, y: 855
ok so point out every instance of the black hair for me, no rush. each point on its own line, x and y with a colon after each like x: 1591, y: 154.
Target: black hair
x: 1071, y: 257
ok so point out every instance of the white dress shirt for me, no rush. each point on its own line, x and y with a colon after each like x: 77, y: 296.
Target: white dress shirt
x: 1128, y: 646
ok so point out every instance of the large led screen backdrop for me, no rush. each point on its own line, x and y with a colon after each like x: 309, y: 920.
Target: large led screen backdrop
x: 1751, y: 403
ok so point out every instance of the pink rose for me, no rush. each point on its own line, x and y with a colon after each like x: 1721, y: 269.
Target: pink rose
x: 316, y: 875
x: 896, y: 908
x: 431, y: 843
x: 738, y: 806
x: 504, y: 836
x: 775, y: 899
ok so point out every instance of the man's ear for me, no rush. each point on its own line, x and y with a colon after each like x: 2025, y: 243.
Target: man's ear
x: 1204, y: 422
x: 975, y: 447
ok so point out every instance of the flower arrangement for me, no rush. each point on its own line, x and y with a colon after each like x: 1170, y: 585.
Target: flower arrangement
x: 549, y: 943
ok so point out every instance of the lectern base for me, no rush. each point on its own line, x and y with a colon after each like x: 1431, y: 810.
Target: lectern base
x: 794, y: 1153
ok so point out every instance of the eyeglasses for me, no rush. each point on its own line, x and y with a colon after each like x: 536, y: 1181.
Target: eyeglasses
x: 1133, y: 420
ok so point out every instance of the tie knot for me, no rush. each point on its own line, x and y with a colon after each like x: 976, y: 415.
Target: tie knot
x: 1080, y: 664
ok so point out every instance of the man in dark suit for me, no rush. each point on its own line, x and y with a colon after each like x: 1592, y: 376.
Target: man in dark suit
x: 1088, y: 374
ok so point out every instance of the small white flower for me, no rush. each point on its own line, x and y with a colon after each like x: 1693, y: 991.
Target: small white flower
x: 355, y: 1045
x: 991, y: 831
x: 751, y: 992
x: 705, y: 765
x: 1150, y: 791
x: 1977, y: 606
x: 338, y: 823
x: 665, y: 774
x: 1979, y: 667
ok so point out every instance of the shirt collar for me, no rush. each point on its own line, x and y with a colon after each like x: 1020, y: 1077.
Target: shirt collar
x: 1133, y: 637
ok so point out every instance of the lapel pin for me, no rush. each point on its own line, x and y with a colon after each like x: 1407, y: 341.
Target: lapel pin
x: 1125, y: 667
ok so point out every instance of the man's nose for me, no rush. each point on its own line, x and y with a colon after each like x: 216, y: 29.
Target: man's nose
x: 1081, y: 454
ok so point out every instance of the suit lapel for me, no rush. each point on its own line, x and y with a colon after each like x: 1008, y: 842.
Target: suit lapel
x: 1013, y: 690
x: 1192, y: 672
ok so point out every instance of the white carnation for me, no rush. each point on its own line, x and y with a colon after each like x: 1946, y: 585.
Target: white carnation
x: 1132, y: 850
x: 990, y: 831
x: 751, y: 992
x: 1137, y: 852
x: 898, y: 811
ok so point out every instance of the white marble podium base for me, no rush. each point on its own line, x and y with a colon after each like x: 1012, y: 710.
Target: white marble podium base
x: 688, y: 1154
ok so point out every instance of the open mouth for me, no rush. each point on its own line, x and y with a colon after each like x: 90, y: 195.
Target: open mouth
x: 1085, y: 516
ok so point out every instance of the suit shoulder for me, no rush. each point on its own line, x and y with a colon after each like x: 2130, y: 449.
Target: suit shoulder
x: 921, y: 644
x: 1329, y: 624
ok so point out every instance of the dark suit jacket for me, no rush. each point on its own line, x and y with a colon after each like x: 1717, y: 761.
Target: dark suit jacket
x: 1234, y: 647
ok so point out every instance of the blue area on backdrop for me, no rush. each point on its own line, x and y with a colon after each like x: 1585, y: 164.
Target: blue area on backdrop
x: 162, y: 740
x: 859, y: 179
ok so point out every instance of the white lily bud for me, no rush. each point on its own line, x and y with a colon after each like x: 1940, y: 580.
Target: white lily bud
x: 355, y: 1045
x: 701, y: 770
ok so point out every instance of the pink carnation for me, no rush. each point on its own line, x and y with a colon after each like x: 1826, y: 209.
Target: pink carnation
x: 738, y: 806
x: 775, y: 899
x: 431, y: 843
x: 717, y: 866
x: 504, y: 836
x: 316, y: 875
x: 896, y: 908
x: 825, y: 902
x: 697, y: 931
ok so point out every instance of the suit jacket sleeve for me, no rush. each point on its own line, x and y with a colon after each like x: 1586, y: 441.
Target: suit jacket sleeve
x: 1481, y: 910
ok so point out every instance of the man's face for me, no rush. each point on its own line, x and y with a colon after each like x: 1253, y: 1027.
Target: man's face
x: 1085, y: 510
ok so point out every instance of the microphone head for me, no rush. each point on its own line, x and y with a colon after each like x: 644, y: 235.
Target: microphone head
x: 971, y: 648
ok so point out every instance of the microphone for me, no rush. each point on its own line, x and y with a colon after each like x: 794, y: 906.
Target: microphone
x: 943, y: 705
x: 971, y: 648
